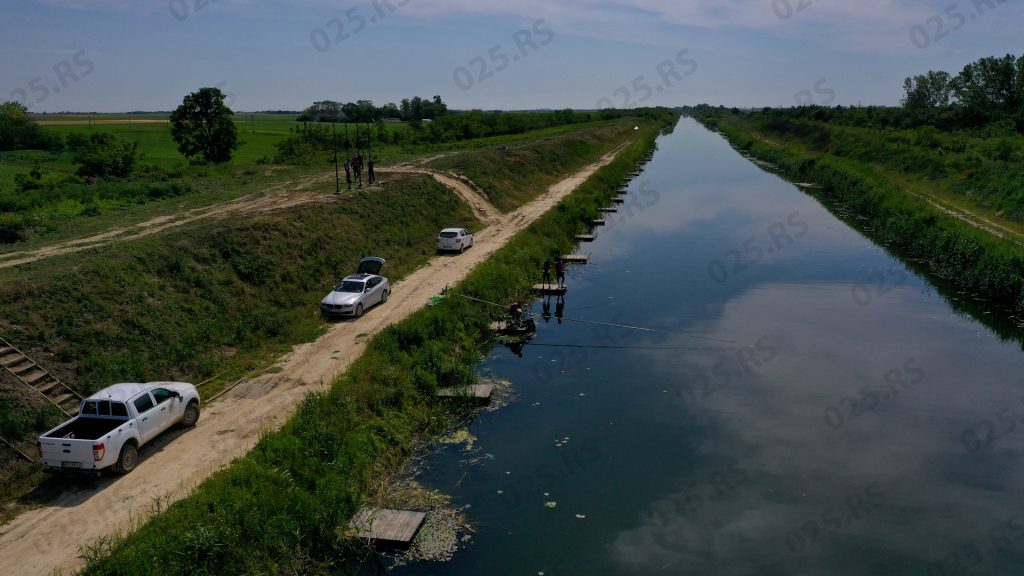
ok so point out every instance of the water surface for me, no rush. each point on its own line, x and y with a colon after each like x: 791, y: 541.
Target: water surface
x: 805, y: 404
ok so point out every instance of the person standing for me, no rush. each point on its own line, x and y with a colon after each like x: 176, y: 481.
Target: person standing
x: 348, y: 174
x: 546, y: 278
x: 369, y: 170
x: 560, y: 272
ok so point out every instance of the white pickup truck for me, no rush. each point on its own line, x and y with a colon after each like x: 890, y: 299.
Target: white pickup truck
x: 115, y: 422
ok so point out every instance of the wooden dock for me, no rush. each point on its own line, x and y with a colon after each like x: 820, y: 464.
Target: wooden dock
x: 576, y: 258
x: 388, y: 526
x: 609, y: 210
x: 550, y: 289
x: 597, y: 222
x: 618, y: 200
x: 477, y: 391
x: 584, y: 237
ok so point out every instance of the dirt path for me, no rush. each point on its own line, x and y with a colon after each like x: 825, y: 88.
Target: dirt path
x: 39, y: 541
x: 483, y: 209
x: 269, y: 200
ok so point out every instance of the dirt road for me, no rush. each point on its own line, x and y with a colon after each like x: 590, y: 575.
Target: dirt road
x: 40, y: 541
x: 276, y: 198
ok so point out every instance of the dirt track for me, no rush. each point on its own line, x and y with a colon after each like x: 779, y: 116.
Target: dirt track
x: 267, y: 201
x: 39, y: 541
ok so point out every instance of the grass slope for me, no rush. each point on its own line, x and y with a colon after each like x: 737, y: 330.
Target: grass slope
x: 512, y: 175
x: 289, y: 500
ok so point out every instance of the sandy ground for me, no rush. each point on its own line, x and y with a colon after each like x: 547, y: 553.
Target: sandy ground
x: 42, y: 540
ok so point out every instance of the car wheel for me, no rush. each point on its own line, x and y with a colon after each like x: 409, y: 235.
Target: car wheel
x: 127, y: 460
x: 384, y: 297
x: 191, y: 415
x: 359, y: 310
x: 462, y: 248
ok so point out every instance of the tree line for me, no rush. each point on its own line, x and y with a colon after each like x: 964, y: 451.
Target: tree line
x: 410, y: 110
x: 986, y: 91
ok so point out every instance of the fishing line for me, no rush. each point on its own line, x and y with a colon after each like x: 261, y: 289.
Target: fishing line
x: 611, y: 324
x: 613, y: 347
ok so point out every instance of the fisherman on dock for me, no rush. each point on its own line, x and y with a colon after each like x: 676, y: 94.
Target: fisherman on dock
x: 515, y: 311
x: 547, y: 272
x: 560, y: 272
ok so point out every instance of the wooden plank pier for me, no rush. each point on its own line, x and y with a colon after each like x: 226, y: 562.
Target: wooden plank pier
x: 576, y: 258
x: 609, y: 210
x: 395, y: 527
x: 584, y: 237
x: 597, y: 222
x: 550, y: 289
x: 478, y: 391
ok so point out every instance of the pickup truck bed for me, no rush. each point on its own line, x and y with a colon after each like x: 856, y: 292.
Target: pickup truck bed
x: 85, y: 428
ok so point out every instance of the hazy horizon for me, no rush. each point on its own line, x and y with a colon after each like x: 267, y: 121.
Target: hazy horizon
x: 124, y: 55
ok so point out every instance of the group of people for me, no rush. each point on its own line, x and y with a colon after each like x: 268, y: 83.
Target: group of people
x: 515, y: 310
x: 355, y: 166
x: 559, y: 272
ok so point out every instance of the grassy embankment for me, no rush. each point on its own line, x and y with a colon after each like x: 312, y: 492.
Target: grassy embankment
x: 969, y: 259
x: 508, y: 174
x: 215, y: 299
x: 64, y: 207
x: 290, y: 498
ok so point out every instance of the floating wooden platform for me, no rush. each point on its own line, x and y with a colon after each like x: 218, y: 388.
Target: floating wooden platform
x: 576, y: 258
x: 389, y: 526
x: 618, y: 200
x: 608, y: 210
x: 526, y: 328
x: 597, y: 222
x: 550, y: 289
x: 478, y: 391
x: 584, y: 237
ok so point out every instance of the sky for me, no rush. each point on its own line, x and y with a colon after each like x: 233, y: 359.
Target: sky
x: 130, y: 55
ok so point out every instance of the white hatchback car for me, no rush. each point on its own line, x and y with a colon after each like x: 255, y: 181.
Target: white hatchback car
x: 457, y: 239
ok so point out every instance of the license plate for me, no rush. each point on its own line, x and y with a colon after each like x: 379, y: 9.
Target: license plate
x: 70, y: 464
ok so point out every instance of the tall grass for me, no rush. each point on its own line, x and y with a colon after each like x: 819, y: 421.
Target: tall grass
x: 972, y: 260
x: 282, y: 508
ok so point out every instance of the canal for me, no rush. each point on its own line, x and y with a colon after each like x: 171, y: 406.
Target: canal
x: 779, y: 395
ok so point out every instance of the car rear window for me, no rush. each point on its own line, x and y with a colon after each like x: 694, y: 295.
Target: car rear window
x: 449, y: 234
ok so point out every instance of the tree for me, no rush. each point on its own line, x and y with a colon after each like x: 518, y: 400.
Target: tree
x: 18, y: 132
x: 929, y: 90
x: 202, y: 126
x: 323, y: 111
x: 989, y: 89
x: 102, y: 156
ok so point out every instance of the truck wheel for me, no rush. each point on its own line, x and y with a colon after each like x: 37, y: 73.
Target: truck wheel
x: 127, y: 460
x: 191, y: 415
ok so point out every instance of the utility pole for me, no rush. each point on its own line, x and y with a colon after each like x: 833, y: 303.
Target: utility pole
x: 369, y: 153
x: 337, y: 179
x: 347, y: 163
x: 359, y: 172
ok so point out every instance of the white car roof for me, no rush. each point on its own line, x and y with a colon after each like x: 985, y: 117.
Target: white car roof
x: 126, y: 391
x: 453, y: 230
